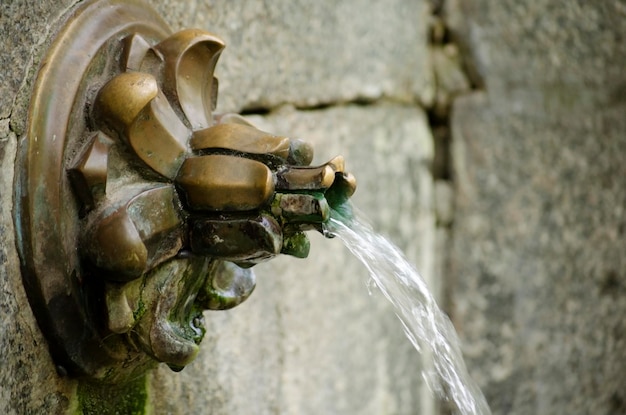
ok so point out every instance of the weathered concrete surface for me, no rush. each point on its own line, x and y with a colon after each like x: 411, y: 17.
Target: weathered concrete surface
x: 308, y: 53
x: 311, y: 339
x: 25, y: 27
x: 539, y: 282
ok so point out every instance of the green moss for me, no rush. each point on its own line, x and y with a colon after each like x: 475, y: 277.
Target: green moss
x: 101, y: 399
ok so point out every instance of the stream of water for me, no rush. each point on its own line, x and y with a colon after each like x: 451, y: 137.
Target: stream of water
x: 426, y: 326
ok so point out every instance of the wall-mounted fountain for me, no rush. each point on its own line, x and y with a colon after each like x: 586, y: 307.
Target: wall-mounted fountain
x: 138, y: 206
x: 530, y: 261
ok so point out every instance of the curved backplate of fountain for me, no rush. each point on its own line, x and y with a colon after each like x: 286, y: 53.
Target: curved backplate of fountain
x: 82, y: 57
x: 137, y: 206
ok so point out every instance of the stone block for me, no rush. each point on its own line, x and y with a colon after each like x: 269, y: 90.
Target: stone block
x: 537, y: 262
x: 26, y: 27
x: 312, y: 53
x: 538, y: 284
x: 543, y: 56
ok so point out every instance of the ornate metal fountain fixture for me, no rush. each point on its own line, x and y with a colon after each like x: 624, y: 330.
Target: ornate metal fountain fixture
x: 138, y: 206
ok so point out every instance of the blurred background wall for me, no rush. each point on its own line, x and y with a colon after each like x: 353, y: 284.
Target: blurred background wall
x: 538, y: 260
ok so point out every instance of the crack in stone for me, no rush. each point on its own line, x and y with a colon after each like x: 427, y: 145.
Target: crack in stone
x: 358, y: 101
x: 452, y: 78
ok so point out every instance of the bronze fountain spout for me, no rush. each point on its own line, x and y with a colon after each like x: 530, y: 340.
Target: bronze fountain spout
x: 139, y: 206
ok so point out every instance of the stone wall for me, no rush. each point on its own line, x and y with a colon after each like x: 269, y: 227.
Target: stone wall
x: 534, y: 250
x: 311, y: 339
x: 538, y: 263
